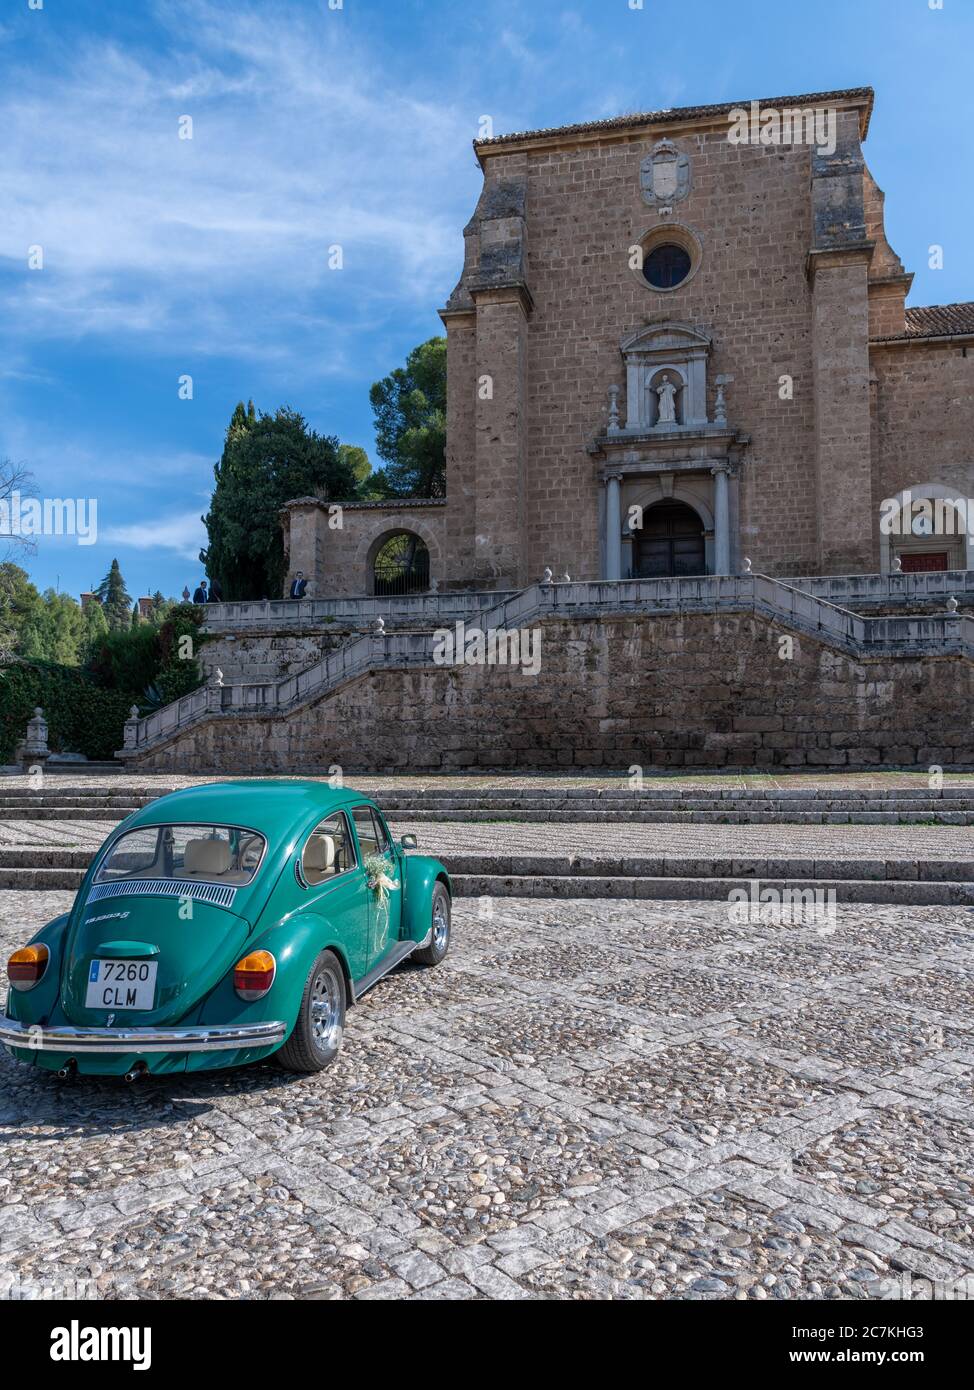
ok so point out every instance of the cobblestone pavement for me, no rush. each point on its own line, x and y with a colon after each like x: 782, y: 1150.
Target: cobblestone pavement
x: 525, y: 837
x: 587, y: 1100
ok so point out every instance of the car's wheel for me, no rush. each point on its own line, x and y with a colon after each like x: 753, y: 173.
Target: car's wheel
x: 316, y: 1038
x: 440, y: 929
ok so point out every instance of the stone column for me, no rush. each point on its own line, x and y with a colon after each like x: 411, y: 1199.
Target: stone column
x: 838, y: 273
x: 500, y: 440
x: 613, y: 526
x: 721, y: 476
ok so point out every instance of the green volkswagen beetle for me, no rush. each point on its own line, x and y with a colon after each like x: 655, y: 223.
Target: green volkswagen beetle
x: 221, y: 924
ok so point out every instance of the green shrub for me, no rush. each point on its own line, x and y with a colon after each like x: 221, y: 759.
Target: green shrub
x: 82, y: 717
x: 178, y: 674
x: 126, y: 660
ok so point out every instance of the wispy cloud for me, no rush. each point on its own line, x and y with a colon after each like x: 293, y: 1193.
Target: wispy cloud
x: 183, y: 534
x: 298, y: 145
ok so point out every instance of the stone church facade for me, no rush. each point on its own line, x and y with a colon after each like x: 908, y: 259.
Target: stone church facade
x: 671, y: 348
x: 677, y: 351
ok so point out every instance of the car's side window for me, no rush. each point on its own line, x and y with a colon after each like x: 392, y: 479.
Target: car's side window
x: 329, y: 850
x: 381, y: 833
x: 365, y: 829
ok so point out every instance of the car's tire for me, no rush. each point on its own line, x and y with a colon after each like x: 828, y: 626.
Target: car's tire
x: 439, y: 926
x: 316, y: 1038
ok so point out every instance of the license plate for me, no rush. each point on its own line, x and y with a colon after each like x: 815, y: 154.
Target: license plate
x: 121, y: 984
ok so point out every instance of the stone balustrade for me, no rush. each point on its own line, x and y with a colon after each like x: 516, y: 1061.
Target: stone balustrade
x: 794, y: 608
x: 434, y: 610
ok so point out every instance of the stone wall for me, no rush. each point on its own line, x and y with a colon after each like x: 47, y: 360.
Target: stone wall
x: 335, y: 544
x: 676, y: 690
x: 266, y: 657
x: 923, y: 419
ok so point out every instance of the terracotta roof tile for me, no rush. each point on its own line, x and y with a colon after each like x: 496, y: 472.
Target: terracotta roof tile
x: 939, y: 320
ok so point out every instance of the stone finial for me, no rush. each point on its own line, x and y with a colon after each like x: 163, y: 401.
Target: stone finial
x: 566, y: 578
x: 35, y: 744
x: 379, y: 627
x: 897, y: 566
x: 720, y: 404
x: 548, y: 575
x: 746, y: 565
x: 130, y: 729
x: 613, y: 409
x: 434, y: 585
x: 218, y: 678
x: 952, y: 606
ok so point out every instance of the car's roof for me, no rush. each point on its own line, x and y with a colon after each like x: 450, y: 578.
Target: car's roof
x: 273, y: 805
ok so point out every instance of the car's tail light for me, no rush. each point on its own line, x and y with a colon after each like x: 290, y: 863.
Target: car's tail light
x: 26, y: 966
x: 254, y: 975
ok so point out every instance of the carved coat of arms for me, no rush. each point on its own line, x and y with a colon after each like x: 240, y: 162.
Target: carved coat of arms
x: 664, y: 175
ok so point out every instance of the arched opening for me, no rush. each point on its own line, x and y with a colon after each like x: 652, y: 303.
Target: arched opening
x: 401, y: 565
x: 927, y: 528
x: 670, y: 542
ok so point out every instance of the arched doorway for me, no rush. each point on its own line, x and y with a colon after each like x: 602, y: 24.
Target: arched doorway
x: 401, y: 565
x: 670, y: 542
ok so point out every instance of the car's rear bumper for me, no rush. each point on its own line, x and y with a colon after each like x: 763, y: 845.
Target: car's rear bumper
x: 138, y: 1041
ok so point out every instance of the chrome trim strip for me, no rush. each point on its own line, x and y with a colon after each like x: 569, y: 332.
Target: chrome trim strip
x: 125, y: 1041
x: 221, y: 895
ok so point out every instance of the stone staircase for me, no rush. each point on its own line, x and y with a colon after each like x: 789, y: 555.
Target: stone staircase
x: 793, y: 609
x: 945, y: 882
x: 896, y: 806
x: 659, y: 803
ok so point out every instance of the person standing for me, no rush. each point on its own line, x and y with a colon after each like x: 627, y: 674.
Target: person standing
x: 200, y: 595
x: 298, y: 585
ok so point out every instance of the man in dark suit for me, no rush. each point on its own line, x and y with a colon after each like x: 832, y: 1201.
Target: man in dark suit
x: 200, y: 595
x: 298, y: 585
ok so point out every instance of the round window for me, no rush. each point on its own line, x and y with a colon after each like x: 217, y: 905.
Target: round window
x: 666, y: 266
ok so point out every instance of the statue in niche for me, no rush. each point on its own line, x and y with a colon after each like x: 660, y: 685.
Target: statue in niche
x: 666, y: 392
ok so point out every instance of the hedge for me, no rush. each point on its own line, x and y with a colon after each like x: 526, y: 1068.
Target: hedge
x: 82, y: 717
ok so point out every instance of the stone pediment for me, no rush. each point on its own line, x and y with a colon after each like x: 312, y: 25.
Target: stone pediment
x: 663, y: 338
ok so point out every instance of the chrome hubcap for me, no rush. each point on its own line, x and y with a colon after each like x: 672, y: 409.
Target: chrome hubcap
x: 441, y: 925
x: 325, y: 1025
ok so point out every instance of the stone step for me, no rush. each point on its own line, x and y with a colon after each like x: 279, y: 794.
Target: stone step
x: 17, y: 858
x: 69, y: 813
x: 394, y: 804
x: 899, y: 892
x: 494, y: 815
x: 665, y: 795
x: 685, y: 817
x: 817, y: 892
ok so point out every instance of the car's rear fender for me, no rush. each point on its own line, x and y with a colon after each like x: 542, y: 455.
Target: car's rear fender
x: 420, y: 875
x: 36, y: 1005
x: 295, y: 944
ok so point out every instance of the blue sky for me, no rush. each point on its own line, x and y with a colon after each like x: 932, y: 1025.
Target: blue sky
x: 313, y: 127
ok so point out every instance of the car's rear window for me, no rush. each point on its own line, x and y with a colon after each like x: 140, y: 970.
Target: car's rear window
x: 200, y: 853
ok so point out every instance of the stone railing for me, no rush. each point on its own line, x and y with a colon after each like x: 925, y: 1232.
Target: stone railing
x: 945, y: 634
x: 433, y: 610
x: 897, y: 589
x: 275, y: 615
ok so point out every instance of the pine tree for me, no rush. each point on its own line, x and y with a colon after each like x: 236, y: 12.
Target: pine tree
x: 94, y: 628
x: 115, y: 600
x: 267, y: 460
